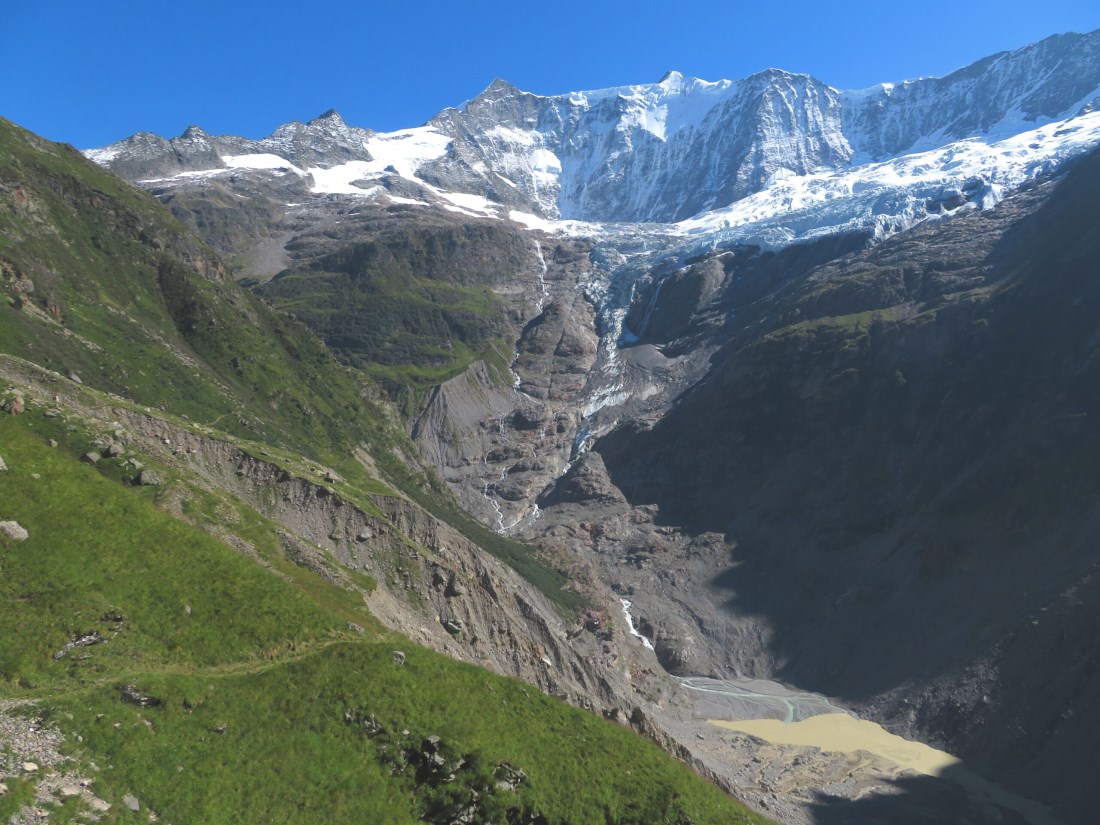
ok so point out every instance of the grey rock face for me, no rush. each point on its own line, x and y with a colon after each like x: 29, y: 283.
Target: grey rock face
x: 325, y: 141
x: 145, y: 155
x: 642, y: 153
x: 1042, y: 81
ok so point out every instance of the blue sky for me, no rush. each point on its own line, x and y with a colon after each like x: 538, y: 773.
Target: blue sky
x: 90, y: 73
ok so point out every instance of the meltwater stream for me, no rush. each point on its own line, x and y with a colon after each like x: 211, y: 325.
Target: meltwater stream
x: 630, y: 623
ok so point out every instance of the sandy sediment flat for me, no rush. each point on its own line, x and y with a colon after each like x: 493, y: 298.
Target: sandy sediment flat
x: 845, y: 733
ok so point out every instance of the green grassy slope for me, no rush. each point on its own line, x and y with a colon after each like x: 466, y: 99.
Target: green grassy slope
x: 269, y: 709
x: 98, y: 279
x: 122, y: 296
x: 411, y: 306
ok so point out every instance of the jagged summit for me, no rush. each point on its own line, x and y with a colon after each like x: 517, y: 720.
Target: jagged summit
x: 500, y: 87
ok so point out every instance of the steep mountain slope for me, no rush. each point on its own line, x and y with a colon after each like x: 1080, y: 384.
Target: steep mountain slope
x: 897, y: 450
x: 110, y: 288
x: 998, y: 94
x: 189, y: 683
x: 185, y: 661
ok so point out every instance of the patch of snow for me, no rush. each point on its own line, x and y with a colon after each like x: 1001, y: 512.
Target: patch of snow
x: 404, y: 152
x: 263, y: 160
x: 610, y: 396
x: 406, y: 201
x: 102, y: 156
x: 182, y: 176
x: 471, y: 203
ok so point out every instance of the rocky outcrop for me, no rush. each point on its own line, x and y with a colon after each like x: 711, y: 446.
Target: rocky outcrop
x: 435, y: 585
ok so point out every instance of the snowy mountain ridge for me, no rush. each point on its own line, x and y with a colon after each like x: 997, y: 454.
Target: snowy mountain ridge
x: 770, y: 159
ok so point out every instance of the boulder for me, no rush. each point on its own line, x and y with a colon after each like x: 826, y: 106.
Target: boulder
x: 453, y: 591
x: 399, y: 657
x: 91, y: 457
x: 430, y: 744
x: 372, y: 727
x: 14, y: 531
x: 15, y: 406
x: 3, y: 466
x: 508, y: 777
x: 147, y: 478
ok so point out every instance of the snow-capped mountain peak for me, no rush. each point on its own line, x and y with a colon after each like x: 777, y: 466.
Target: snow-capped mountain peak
x: 756, y: 150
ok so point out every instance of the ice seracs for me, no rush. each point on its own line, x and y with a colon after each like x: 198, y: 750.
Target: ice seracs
x: 888, y: 197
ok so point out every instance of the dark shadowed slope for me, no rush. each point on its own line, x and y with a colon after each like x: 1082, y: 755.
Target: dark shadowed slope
x: 907, y: 460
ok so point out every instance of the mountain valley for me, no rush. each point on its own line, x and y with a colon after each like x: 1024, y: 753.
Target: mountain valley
x: 611, y: 393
